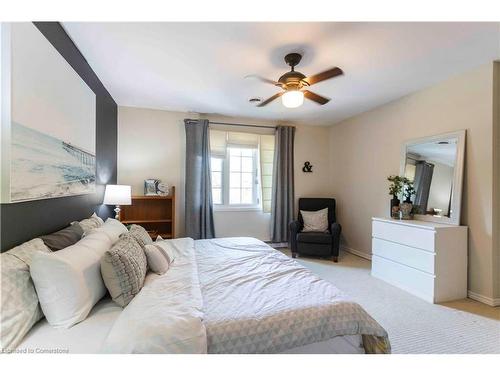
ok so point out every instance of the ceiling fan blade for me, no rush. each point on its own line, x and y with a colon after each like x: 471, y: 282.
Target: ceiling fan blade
x: 275, y: 96
x: 315, y: 97
x: 264, y: 79
x: 327, y: 74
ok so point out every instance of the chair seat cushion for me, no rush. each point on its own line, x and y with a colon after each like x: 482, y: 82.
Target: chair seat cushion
x: 314, y: 237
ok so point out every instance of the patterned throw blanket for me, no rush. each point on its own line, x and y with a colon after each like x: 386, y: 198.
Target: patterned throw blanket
x: 238, y: 295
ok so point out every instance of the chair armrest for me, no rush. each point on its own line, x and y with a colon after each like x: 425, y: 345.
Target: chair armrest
x: 336, y: 229
x: 295, y: 227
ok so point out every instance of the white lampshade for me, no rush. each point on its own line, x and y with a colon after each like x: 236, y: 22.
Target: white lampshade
x: 292, y: 99
x: 118, y: 195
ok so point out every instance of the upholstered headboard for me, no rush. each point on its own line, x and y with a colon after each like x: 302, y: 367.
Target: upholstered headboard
x: 20, y: 222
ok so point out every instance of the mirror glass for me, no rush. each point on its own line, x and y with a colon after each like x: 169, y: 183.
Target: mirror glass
x: 431, y: 166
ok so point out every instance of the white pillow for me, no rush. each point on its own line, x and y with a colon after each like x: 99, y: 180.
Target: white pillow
x: 68, y: 282
x: 97, y: 218
x: 158, y: 260
x: 315, y: 221
x: 91, y: 223
x: 113, y: 229
x: 168, y: 249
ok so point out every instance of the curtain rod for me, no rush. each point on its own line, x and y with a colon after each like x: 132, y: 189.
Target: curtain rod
x: 235, y: 124
x: 245, y: 125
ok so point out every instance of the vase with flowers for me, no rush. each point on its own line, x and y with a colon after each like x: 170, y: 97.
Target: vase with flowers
x: 407, y: 206
x: 395, y: 189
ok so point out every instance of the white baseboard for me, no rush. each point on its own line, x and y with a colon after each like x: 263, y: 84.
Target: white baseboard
x: 480, y: 298
x: 356, y: 252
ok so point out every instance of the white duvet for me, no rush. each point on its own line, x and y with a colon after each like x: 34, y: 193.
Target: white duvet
x: 166, y: 316
x: 237, y: 295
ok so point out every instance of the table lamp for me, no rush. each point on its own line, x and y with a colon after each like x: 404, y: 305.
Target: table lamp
x: 118, y: 195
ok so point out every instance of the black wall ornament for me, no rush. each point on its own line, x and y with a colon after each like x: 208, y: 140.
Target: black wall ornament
x: 307, y: 168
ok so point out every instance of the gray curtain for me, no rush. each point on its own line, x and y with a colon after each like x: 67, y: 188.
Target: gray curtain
x: 422, y: 184
x: 199, y: 209
x: 282, y: 205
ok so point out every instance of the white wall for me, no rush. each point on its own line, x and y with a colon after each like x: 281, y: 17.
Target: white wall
x: 366, y: 149
x: 151, y: 144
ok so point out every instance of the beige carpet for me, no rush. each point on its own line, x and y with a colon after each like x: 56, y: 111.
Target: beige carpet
x: 414, y: 326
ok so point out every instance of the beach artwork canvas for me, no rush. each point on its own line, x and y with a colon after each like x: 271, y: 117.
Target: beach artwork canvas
x: 43, y: 166
x: 52, y: 147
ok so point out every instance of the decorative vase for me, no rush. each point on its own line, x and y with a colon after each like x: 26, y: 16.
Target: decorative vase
x: 406, y: 208
x: 395, y: 207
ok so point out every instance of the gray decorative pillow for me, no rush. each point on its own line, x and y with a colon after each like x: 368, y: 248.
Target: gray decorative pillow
x: 315, y: 221
x: 19, y: 309
x: 123, y: 269
x: 140, y: 234
x: 64, y: 237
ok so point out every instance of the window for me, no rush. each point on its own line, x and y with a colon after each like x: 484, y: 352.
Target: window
x: 237, y: 171
x: 234, y: 178
x: 243, y: 181
x: 216, y: 168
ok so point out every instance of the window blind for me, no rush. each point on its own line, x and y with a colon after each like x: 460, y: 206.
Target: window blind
x: 218, y: 143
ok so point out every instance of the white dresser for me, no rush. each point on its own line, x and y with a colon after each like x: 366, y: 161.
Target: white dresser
x: 426, y: 259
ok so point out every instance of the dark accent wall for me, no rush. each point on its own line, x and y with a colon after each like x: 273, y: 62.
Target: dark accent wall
x: 20, y: 222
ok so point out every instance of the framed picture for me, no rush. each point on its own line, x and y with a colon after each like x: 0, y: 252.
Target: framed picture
x: 162, y: 189
x: 51, y: 146
x: 151, y: 186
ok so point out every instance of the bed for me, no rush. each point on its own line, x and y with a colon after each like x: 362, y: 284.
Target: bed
x: 229, y: 295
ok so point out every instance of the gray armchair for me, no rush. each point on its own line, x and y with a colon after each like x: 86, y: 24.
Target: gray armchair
x: 316, y: 243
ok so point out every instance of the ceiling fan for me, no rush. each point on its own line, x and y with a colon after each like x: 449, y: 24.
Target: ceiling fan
x: 293, y: 84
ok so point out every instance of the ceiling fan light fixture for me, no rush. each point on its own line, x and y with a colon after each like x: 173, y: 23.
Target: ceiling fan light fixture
x: 292, y: 98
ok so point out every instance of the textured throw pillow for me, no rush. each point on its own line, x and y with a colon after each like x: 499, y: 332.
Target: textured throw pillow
x: 112, y: 228
x: 68, y: 281
x: 91, y: 223
x: 19, y: 309
x: 158, y: 260
x: 140, y: 234
x: 123, y: 269
x: 315, y: 221
x: 64, y: 237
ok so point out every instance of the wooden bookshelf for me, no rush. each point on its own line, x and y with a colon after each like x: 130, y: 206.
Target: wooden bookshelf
x: 155, y: 213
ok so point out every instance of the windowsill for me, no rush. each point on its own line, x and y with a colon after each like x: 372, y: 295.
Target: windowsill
x: 220, y: 208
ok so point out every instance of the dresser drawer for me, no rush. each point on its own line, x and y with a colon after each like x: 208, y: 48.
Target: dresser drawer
x: 413, y: 281
x: 404, y: 234
x: 406, y: 255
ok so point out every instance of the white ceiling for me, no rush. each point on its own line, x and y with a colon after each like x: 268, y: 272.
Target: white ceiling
x: 433, y: 151
x: 200, y: 67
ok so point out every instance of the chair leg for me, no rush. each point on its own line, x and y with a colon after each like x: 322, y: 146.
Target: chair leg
x: 294, y: 255
x: 335, y: 259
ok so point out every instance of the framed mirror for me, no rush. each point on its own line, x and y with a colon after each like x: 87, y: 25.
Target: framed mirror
x: 435, y: 165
